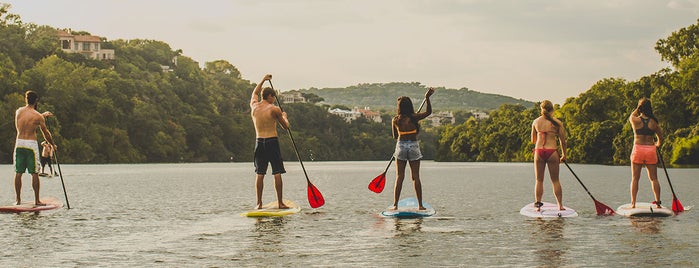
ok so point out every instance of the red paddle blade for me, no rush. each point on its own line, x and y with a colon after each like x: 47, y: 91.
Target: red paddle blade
x: 603, y: 209
x: 315, y: 199
x: 676, y: 205
x: 377, y: 184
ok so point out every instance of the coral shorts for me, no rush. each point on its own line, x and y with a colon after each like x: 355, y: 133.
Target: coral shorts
x: 644, y: 155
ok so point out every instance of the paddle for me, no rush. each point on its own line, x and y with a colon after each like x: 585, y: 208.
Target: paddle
x: 377, y: 184
x: 55, y: 154
x: 315, y: 198
x: 602, y: 209
x: 676, y: 205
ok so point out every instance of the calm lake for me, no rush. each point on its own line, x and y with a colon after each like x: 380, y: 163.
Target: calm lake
x: 187, y: 215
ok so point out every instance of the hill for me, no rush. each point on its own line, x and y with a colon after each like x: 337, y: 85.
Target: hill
x: 382, y: 96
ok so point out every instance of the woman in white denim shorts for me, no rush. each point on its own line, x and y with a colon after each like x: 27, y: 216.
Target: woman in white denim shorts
x: 405, y: 128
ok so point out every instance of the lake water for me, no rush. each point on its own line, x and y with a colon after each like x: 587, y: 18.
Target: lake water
x: 187, y: 215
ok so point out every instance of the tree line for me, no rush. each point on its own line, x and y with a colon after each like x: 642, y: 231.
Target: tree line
x: 129, y: 110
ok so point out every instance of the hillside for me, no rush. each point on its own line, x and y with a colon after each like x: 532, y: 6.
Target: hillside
x: 380, y: 96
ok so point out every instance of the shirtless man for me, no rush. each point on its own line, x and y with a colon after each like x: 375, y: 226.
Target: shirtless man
x: 46, y: 157
x: 26, y: 157
x: 265, y: 117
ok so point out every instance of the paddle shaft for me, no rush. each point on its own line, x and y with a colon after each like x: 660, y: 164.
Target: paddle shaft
x: 581, y: 183
x: 660, y: 156
x: 60, y: 174
x: 296, y: 150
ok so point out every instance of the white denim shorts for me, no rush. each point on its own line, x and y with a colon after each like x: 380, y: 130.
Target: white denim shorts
x: 407, y: 150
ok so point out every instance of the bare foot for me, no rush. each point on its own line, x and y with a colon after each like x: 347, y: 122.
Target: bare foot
x: 259, y: 206
x: 393, y: 208
x: 282, y: 206
x: 19, y: 202
x: 561, y: 208
x: 39, y: 204
x: 421, y: 208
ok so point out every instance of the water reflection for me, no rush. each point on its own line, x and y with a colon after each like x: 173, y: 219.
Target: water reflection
x: 646, y: 225
x: 407, y: 226
x: 268, y: 234
x: 551, y: 246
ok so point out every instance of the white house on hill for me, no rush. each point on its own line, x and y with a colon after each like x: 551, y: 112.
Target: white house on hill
x: 88, y: 45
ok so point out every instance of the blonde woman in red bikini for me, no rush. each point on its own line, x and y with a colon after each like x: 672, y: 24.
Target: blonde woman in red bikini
x: 646, y: 139
x: 545, y: 130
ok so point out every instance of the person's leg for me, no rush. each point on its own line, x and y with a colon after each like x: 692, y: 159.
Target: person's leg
x: 635, y: 176
x: 554, y: 164
x: 653, y: 176
x: 278, y: 187
x: 415, y: 174
x: 539, y: 169
x: 400, y: 175
x: 18, y: 187
x: 36, y: 186
x: 259, y: 185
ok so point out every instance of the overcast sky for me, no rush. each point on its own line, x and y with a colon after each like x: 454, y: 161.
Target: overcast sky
x: 535, y: 50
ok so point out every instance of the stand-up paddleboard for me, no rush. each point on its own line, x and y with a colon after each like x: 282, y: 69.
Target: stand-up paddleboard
x: 271, y: 210
x: 407, y: 208
x: 644, y: 209
x: 28, y: 206
x: 548, y: 210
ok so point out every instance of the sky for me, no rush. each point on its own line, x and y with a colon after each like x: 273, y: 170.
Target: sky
x: 529, y: 49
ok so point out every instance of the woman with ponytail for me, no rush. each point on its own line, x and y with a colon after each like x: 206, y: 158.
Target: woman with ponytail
x: 646, y: 140
x: 546, y: 129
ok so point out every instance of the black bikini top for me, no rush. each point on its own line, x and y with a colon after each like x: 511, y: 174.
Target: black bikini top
x: 645, y: 130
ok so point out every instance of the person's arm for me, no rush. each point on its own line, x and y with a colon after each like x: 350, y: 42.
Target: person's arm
x: 562, y: 139
x: 255, y: 98
x: 533, y: 134
x: 428, y: 111
x: 658, y: 135
x: 281, y: 118
x: 44, y: 130
x: 394, y: 129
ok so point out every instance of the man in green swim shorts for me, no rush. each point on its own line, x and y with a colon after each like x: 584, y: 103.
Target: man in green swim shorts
x: 26, y: 156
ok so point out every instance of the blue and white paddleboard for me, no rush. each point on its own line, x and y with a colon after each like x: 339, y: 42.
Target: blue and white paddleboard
x: 644, y: 209
x: 407, y: 208
x: 548, y: 210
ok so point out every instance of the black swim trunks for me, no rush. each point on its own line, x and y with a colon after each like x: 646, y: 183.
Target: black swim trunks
x: 267, y: 151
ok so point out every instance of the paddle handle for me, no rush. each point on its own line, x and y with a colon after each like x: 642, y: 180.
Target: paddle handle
x: 60, y: 173
x: 660, y: 156
x: 576, y: 177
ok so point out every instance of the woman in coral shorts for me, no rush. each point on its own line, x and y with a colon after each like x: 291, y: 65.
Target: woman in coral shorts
x: 647, y: 138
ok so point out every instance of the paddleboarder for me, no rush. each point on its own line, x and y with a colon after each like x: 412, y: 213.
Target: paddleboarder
x: 546, y: 129
x: 405, y: 128
x: 26, y: 155
x: 646, y: 139
x: 265, y: 117
x: 46, y: 157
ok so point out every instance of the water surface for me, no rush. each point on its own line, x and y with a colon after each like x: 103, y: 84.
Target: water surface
x: 187, y: 215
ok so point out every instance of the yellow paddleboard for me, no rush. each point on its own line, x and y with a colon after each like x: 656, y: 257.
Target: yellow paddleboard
x: 271, y: 210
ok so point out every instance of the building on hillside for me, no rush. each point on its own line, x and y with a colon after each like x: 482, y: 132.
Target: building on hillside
x: 441, y: 118
x: 88, y: 45
x: 480, y: 115
x: 292, y: 97
x: 369, y: 114
x: 349, y: 116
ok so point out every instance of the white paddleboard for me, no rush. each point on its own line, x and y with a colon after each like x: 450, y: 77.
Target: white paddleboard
x: 548, y: 210
x: 644, y: 209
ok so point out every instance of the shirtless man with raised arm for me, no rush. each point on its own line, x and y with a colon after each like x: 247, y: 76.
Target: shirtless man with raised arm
x: 265, y: 117
x: 26, y: 157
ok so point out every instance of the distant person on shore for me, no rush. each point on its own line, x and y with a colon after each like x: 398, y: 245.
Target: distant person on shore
x: 405, y: 127
x: 26, y: 156
x: 546, y: 129
x: 265, y: 117
x: 46, y: 157
x: 646, y: 140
